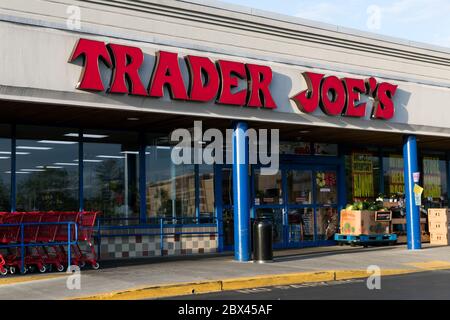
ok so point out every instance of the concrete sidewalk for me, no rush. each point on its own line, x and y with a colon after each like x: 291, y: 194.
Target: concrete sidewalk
x: 167, y: 277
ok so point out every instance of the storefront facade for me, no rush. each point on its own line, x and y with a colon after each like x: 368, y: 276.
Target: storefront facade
x: 87, y: 112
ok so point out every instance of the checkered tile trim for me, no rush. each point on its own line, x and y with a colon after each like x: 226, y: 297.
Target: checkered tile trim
x: 135, y: 246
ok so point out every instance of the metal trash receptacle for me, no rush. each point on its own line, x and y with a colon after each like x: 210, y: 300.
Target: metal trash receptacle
x: 262, y: 241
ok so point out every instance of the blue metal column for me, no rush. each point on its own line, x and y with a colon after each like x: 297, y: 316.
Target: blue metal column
x: 412, y: 211
x: 241, y: 193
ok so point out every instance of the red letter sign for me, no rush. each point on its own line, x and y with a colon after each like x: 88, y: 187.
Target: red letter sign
x: 260, y: 78
x: 308, y: 100
x: 334, y: 105
x: 230, y: 72
x: 198, y: 67
x: 383, y: 106
x: 167, y: 71
x: 92, y: 51
x: 354, y: 87
x: 127, y: 61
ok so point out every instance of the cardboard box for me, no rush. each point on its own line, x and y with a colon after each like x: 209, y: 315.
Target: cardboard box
x: 439, y: 239
x: 438, y: 226
x: 439, y: 215
x: 355, y: 222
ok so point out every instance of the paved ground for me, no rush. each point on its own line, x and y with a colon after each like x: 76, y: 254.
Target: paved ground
x: 433, y: 285
x: 166, y: 271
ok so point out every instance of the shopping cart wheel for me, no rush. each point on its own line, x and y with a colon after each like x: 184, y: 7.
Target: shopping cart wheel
x: 60, y: 268
x: 12, y: 270
x: 3, y: 272
x: 95, y: 266
x: 42, y: 269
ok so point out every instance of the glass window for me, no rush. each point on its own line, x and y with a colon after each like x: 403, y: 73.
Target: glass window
x: 299, y: 185
x: 111, y: 174
x: 301, y: 224
x: 228, y: 227
x: 326, y: 187
x: 435, y: 180
x: 394, y: 183
x: 363, y: 175
x: 206, y: 179
x: 5, y: 168
x: 46, y: 169
x: 267, y: 188
x: 327, y: 223
x: 170, y: 188
x: 227, y: 187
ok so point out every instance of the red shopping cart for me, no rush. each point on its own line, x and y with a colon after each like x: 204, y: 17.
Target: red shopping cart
x: 47, y: 235
x: 62, y: 235
x: 86, y: 228
x: 11, y: 236
x: 3, y: 270
x: 33, y: 256
x: 42, y: 240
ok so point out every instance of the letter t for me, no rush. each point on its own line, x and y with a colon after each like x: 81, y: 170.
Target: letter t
x: 92, y: 51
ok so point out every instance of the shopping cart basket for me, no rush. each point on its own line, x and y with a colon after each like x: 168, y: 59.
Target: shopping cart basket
x: 3, y: 270
x: 11, y: 236
x: 63, y: 236
x: 47, y: 235
x: 33, y: 256
x: 86, y: 224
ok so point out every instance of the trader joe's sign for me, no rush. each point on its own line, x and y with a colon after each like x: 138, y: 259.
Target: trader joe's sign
x: 225, y: 82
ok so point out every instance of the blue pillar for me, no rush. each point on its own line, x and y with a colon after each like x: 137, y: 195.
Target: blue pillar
x: 412, y: 211
x: 241, y: 193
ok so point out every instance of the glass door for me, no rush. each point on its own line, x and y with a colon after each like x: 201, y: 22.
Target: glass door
x: 268, y: 202
x: 326, y: 197
x: 300, y: 209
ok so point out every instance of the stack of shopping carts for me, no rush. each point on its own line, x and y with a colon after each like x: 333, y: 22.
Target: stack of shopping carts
x: 43, y: 240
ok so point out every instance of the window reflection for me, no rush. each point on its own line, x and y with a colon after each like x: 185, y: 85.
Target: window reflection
x: 206, y: 193
x: 5, y: 167
x: 170, y: 188
x: 299, y: 187
x: 267, y: 188
x: 327, y: 223
x: 111, y: 174
x: 46, y: 169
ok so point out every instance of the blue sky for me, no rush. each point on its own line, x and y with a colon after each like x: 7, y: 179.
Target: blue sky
x: 425, y: 21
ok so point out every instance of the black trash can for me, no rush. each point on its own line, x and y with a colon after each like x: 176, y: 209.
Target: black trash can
x: 262, y: 241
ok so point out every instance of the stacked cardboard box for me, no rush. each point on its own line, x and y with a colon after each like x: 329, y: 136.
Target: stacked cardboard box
x: 438, y: 223
x: 355, y: 222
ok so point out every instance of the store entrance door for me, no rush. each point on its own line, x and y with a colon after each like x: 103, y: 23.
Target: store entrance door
x: 300, y: 200
x: 302, y: 203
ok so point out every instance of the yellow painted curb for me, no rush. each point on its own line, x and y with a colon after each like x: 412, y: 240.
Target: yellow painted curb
x: 276, y: 280
x: 22, y: 279
x: 430, y: 265
x: 354, y: 274
x: 178, y: 289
